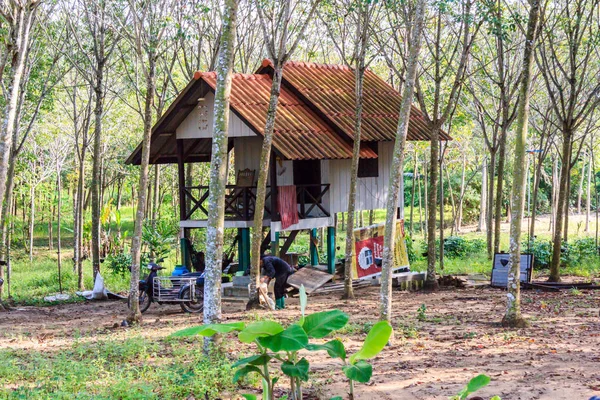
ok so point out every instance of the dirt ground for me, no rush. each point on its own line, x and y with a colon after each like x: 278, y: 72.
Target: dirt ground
x: 456, y: 338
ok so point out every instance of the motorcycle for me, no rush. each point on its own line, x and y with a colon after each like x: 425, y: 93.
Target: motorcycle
x: 187, y: 290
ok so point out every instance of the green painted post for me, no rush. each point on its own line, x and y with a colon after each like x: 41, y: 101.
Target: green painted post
x: 275, y: 245
x: 244, y: 249
x: 331, y: 249
x: 314, y: 255
x: 184, y: 252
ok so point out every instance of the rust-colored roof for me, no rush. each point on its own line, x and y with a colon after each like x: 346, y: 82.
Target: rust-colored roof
x: 330, y: 88
x: 314, y: 120
x: 299, y: 133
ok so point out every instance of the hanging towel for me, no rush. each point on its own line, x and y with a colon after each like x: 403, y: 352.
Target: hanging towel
x: 288, y: 206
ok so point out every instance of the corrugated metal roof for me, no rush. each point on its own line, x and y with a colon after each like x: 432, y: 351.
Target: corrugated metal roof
x: 330, y: 88
x: 299, y: 133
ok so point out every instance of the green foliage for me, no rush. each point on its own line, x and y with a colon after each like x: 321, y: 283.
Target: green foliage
x: 159, y: 238
x: 541, y: 250
x: 410, y: 249
x: 421, y: 312
x: 475, y: 384
x: 458, y: 247
x: 274, y: 342
x: 119, y: 264
x: 133, y: 368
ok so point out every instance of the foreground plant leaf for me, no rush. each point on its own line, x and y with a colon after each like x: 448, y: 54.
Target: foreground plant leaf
x: 292, y: 339
x: 335, y: 348
x: 260, y: 359
x: 321, y: 324
x: 242, y: 372
x: 474, y: 385
x: 298, y: 370
x: 359, y: 372
x: 259, y: 329
x: 375, y: 342
x: 209, y: 329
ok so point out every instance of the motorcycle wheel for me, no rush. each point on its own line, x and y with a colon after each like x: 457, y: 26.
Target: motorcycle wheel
x: 195, y: 306
x: 144, y: 302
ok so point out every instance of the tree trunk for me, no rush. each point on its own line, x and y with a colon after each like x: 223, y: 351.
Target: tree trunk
x: 24, y: 17
x: 580, y: 188
x: 513, y: 309
x: 425, y: 200
x: 412, y: 196
x: 459, y: 214
x: 561, y: 207
x: 568, y: 195
x: 420, y: 206
x: 490, y: 206
x: 534, y: 198
x: 78, y: 231
x: 442, y: 206
x: 156, y: 196
x: 397, y: 170
x: 261, y: 186
x: 483, y: 202
x: 58, y: 221
x: 31, y: 220
x: 218, y: 170
x: 499, y: 190
x: 135, y: 316
x: 588, y: 194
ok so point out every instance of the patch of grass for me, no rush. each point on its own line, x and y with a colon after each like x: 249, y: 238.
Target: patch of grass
x: 134, y: 368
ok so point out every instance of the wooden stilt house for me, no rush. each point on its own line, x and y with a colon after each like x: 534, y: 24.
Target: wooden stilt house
x: 312, y: 149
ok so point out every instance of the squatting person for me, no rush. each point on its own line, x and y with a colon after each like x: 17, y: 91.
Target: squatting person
x: 275, y: 267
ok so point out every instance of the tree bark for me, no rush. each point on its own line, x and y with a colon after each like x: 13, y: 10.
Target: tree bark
x: 459, y: 216
x: 24, y: 17
x: 359, y: 74
x: 135, y: 316
x: 396, y: 172
x: 588, y: 194
x: 490, y: 206
x: 499, y: 190
x: 412, y: 196
x: 218, y: 169
x: 561, y: 208
x: 483, y: 202
x: 261, y: 186
x: 513, y: 316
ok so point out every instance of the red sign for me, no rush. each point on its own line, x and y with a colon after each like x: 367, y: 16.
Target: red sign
x: 369, y: 253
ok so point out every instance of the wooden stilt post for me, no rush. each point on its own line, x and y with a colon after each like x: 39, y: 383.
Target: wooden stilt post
x: 182, y: 208
x: 314, y: 254
x: 274, y: 210
x: 331, y: 249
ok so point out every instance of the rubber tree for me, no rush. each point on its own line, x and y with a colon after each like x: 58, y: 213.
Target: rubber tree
x: 494, y: 90
x: 91, y: 28
x: 149, y: 24
x: 415, y: 22
x: 218, y: 169
x: 513, y: 316
x: 279, y: 24
x: 351, y: 38
x: 438, y: 102
x: 570, y: 79
x: 20, y: 18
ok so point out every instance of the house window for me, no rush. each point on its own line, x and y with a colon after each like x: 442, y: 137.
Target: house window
x: 369, y: 167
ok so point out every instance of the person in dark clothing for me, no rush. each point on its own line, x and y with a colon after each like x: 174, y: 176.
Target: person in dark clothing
x: 275, y: 267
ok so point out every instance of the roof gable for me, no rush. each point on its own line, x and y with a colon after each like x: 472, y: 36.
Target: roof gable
x: 299, y: 133
x: 330, y: 89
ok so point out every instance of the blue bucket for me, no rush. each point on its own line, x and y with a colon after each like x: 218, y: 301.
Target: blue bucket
x: 180, y: 270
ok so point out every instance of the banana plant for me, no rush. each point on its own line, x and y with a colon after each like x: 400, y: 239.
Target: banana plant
x: 474, y: 385
x: 275, y: 342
